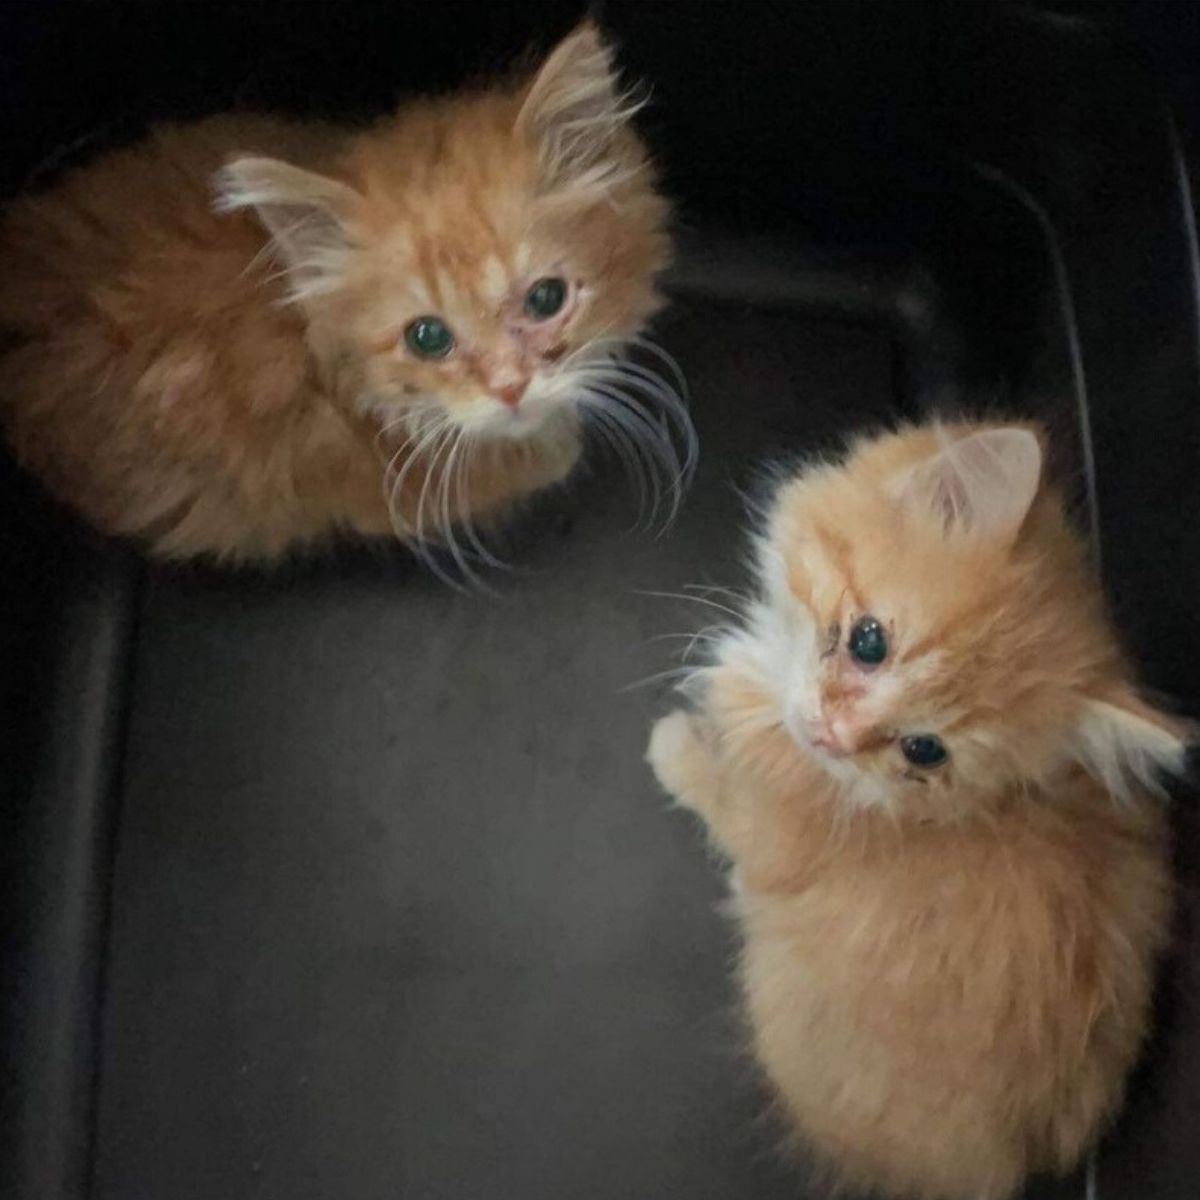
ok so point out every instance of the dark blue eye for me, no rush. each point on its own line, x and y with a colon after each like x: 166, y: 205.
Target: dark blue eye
x: 545, y: 298
x: 868, y: 642
x: 923, y: 750
x: 429, y: 337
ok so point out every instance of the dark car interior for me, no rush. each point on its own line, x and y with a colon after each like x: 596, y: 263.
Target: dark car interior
x: 336, y: 881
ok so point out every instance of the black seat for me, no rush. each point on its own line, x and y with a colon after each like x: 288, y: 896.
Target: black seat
x: 339, y: 883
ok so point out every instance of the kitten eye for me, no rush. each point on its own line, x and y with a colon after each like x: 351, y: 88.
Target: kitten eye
x: 546, y: 298
x: 923, y: 750
x: 868, y: 642
x: 429, y: 337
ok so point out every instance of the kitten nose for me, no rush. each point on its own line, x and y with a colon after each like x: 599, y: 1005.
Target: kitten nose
x: 825, y: 737
x: 510, y: 394
x: 835, y: 736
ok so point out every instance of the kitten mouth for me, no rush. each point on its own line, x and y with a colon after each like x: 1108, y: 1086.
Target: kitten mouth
x: 820, y: 746
x: 517, y: 422
x: 514, y: 425
x: 814, y: 738
x: 822, y: 752
x: 826, y: 745
x: 826, y: 742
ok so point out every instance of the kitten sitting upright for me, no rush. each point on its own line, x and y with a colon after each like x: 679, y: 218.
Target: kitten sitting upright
x: 924, y: 756
x: 394, y: 328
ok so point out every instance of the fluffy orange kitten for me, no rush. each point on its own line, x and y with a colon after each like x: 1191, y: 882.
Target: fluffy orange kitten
x: 247, y: 333
x: 925, y: 758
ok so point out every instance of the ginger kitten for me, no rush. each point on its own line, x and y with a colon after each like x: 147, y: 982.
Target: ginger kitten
x: 924, y: 755
x: 246, y: 334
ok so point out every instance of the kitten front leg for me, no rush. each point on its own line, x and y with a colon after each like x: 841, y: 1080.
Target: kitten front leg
x: 682, y: 763
x: 686, y: 767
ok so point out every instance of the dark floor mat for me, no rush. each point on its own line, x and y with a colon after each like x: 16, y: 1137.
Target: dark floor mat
x: 398, y: 910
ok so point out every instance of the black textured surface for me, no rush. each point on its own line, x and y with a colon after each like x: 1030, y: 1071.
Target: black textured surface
x: 398, y: 910
x: 394, y: 907
x: 66, y: 619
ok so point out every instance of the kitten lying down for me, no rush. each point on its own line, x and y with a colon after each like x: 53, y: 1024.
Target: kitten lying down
x: 247, y: 333
x: 924, y: 755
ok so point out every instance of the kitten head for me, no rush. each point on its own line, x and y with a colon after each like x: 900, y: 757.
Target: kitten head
x: 929, y: 627
x: 467, y: 253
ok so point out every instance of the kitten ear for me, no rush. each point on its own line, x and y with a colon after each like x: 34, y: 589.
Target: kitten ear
x: 574, y: 109
x: 305, y: 213
x: 1124, y: 743
x: 980, y: 484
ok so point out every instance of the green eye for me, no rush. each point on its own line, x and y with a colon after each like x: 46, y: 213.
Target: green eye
x: 429, y: 337
x: 868, y: 642
x: 546, y: 298
x: 923, y: 750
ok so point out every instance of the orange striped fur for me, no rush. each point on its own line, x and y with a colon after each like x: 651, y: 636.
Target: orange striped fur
x: 947, y: 969
x: 206, y: 330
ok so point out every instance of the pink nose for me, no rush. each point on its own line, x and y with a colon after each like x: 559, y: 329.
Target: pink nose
x: 837, y: 736
x: 510, y: 395
x: 827, y: 739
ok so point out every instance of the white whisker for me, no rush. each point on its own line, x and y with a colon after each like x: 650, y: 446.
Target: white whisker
x: 449, y: 517
x: 455, y: 519
x: 654, y: 449
x: 711, y: 634
x: 712, y: 588
x: 393, y: 479
x: 423, y: 545
x: 645, y: 417
x: 467, y: 521
x: 657, y: 677
x: 671, y: 363
x: 737, y: 616
x: 637, y: 415
x: 629, y: 453
x: 653, y: 443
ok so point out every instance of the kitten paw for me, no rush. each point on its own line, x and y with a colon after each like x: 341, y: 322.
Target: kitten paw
x: 674, y: 744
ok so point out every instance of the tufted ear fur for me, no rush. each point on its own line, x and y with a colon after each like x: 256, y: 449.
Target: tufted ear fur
x: 305, y: 213
x: 1125, y: 743
x: 980, y: 485
x: 574, y: 110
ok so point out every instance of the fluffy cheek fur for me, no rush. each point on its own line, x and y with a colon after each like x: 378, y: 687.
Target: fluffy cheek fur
x: 781, y: 670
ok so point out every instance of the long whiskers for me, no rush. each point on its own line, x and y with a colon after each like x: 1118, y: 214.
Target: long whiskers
x: 444, y: 453
x: 695, y: 599
x: 465, y: 518
x: 658, y: 677
x: 637, y: 414
x: 640, y: 416
x: 704, y: 642
x: 455, y: 514
x: 411, y: 450
x: 437, y: 476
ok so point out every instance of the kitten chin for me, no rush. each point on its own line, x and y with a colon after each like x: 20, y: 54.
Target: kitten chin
x: 925, y: 756
x: 247, y: 334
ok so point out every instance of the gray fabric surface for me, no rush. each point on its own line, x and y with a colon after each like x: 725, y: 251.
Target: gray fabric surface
x: 398, y: 910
